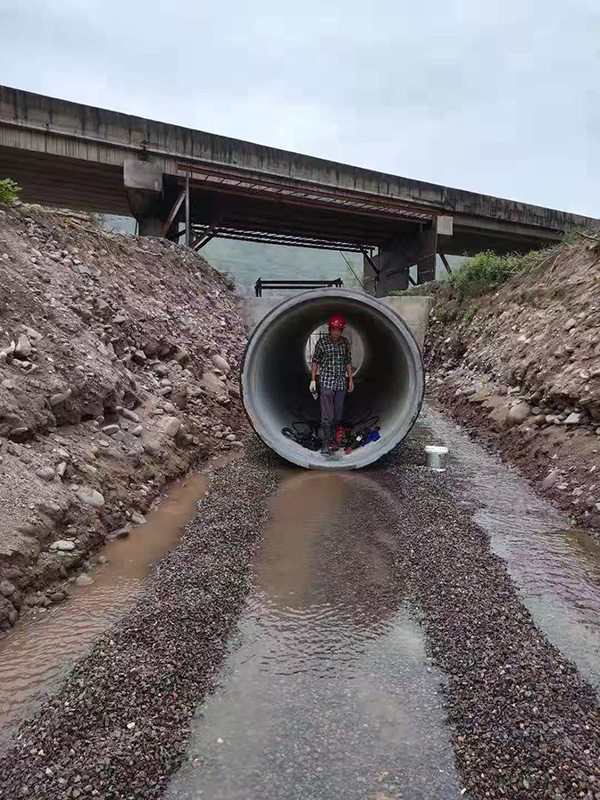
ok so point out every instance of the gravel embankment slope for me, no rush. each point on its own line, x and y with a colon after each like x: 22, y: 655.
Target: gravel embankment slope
x: 118, y: 358
x: 520, y: 368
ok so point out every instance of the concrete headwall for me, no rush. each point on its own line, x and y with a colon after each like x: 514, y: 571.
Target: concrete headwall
x: 413, y: 310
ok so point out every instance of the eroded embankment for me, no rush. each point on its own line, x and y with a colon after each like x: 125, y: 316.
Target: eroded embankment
x: 520, y: 368
x: 118, y: 359
x: 523, y: 722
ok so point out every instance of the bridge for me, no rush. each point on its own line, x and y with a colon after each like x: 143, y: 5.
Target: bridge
x: 179, y: 182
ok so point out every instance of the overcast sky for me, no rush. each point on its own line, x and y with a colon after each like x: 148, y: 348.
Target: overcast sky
x: 496, y: 96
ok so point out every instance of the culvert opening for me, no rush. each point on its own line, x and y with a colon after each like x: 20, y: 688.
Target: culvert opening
x: 389, y: 383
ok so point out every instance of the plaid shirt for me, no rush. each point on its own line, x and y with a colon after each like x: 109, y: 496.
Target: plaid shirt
x: 333, y: 359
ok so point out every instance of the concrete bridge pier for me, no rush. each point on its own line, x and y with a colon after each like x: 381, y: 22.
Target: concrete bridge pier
x: 389, y: 268
x: 144, y: 187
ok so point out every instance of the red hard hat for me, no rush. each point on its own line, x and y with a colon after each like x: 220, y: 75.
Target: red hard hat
x: 337, y: 321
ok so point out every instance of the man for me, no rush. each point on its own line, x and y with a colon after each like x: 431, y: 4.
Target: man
x: 333, y: 358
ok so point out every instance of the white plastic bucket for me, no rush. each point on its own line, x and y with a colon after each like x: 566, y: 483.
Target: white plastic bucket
x: 436, y: 457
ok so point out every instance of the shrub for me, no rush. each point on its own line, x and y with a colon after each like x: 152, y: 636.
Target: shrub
x: 486, y: 271
x: 8, y: 191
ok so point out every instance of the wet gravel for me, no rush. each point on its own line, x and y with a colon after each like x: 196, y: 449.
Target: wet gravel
x: 119, y: 726
x: 524, y: 723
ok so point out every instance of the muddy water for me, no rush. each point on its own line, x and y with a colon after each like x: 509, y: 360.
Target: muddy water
x: 327, y: 690
x: 555, y: 566
x: 34, y: 658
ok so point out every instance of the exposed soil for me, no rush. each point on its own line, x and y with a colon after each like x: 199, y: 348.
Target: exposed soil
x: 520, y: 369
x: 118, y: 359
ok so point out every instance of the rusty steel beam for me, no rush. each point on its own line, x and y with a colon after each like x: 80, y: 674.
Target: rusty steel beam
x: 388, y: 204
x: 172, y: 214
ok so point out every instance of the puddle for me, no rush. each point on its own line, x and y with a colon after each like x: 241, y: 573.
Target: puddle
x: 35, y: 657
x: 555, y: 566
x: 327, y: 690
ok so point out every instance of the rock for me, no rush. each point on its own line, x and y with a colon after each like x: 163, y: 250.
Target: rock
x: 570, y: 324
x: 550, y: 479
x: 122, y: 533
x: 538, y: 419
x: 45, y: 473
x: 137, y: 431
x: 139, y: 357
x: 23, y: 348
x: 63, y: 544
x: 60, y: 397
x: 573, y: 419
x: 61, y: 469
x: 221, y: 363
x: 7, y: 588
x: 170, y: 426
x: 90, y: 497
x: 102, y: 559
x: 83, y: 580
x: 119, y: 436
x: 131, y: 415
x: 213, y: 384
x: 58, y: 597
x: 13, y: 616
x: 180, y: 397
x: 33, y: 334
x: 120, y: 319
x: 595, y: 414
x: 230, y: 437
x: 469, y: 391
x: 110, y: 429
x: 138, y: 519
x: 517, y: 414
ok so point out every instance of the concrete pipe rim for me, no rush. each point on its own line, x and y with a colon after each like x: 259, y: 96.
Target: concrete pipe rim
x: 362, y: 456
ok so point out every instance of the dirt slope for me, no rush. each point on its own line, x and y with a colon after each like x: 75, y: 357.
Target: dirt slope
x: 521, y: 368
x: 118, y: 361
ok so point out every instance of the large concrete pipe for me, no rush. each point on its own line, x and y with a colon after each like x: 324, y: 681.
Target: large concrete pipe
x: 389, y: 381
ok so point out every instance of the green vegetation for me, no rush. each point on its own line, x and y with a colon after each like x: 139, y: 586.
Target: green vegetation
x: 487, y: 271
x: 229, y: 281
x: 9, y: 191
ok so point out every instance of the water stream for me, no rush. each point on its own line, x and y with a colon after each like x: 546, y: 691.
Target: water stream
x: 555, y: 565
x: 35, y: 657
x: 328, y: 691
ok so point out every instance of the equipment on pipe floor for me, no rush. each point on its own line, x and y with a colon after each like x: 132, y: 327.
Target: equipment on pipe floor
x: 389, y: 382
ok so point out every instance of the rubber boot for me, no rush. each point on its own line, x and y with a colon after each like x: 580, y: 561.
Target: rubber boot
x: 334, y: 445
x: 326, y: 446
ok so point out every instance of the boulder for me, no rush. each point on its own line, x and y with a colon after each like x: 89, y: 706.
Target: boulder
x: 63, y: 544
x: 518, y: 413
x: 221, y: 363
x: 91, y: 497
x: 23, y: 347
x: 170, y: 426
x: 7, y: 588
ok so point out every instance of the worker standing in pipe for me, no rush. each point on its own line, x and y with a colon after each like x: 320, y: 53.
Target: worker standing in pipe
x: 333, y: 358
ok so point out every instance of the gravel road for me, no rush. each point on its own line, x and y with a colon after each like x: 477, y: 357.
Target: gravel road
x: 522, y: 721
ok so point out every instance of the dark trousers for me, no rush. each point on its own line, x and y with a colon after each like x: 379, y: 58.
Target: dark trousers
x: 332, y: 405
